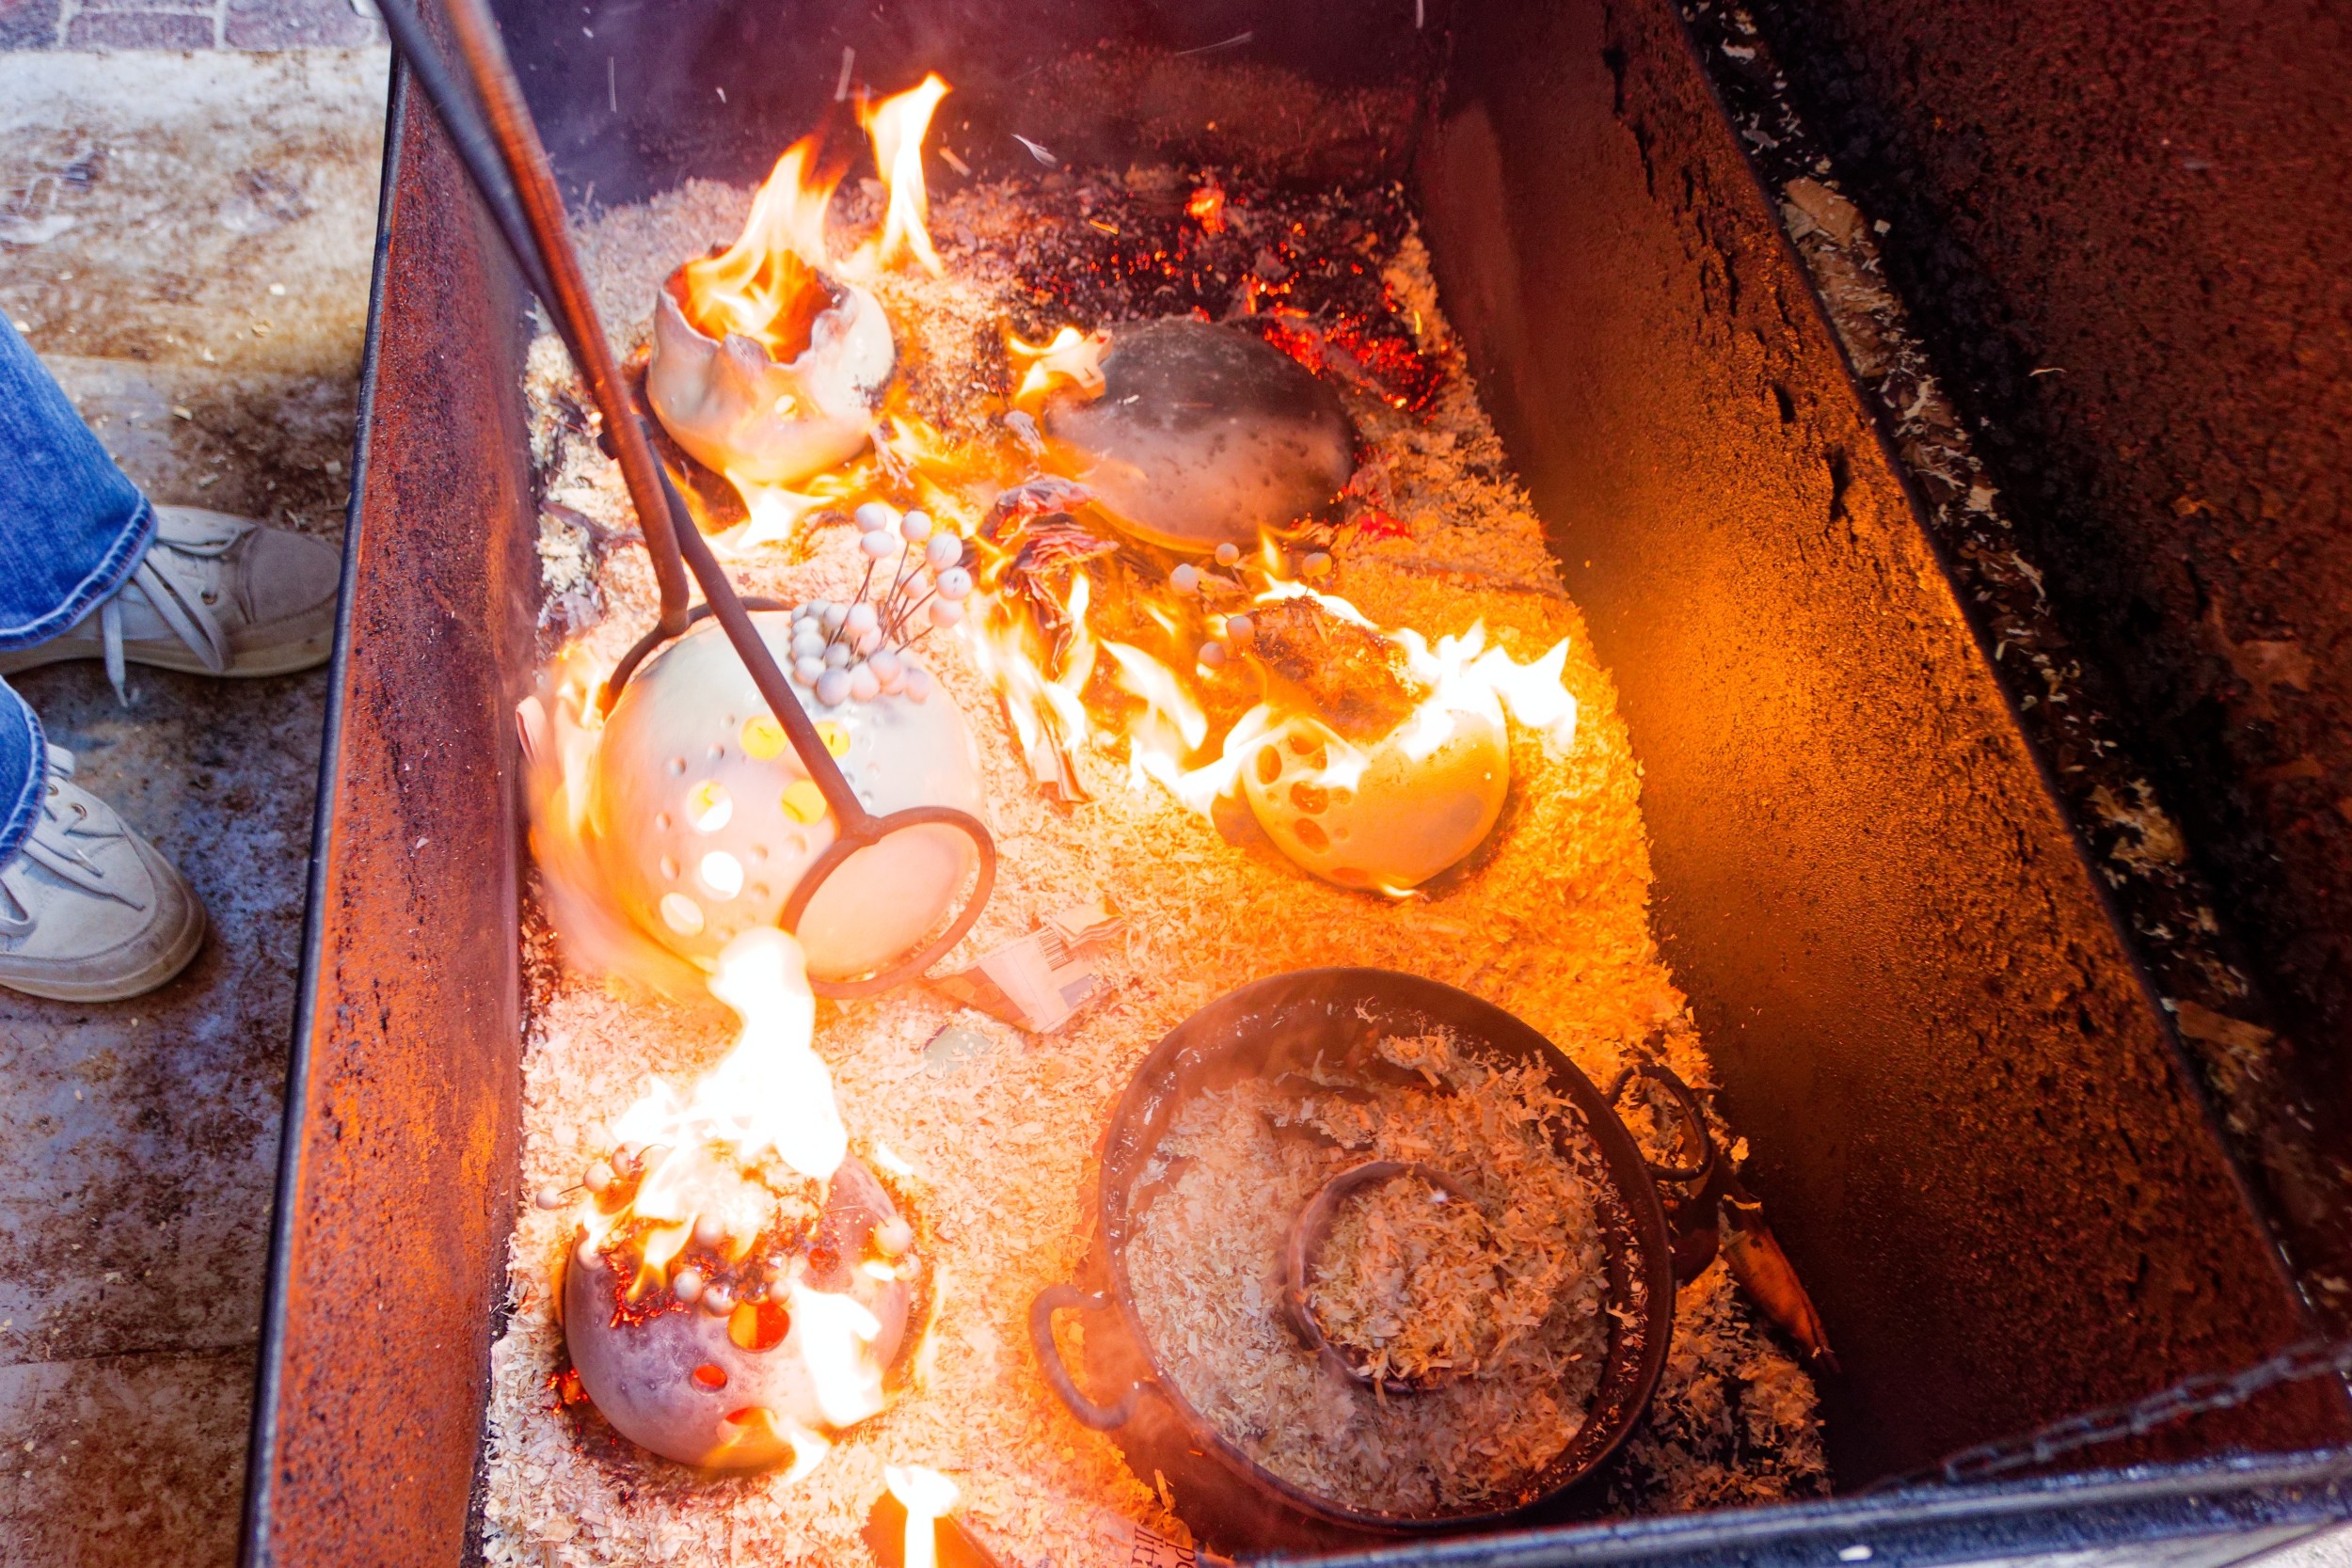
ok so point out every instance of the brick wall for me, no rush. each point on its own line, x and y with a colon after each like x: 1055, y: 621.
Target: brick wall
x: 187, y: 23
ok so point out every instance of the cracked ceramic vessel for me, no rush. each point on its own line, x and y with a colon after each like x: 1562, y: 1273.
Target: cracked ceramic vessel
x: 737, y: 410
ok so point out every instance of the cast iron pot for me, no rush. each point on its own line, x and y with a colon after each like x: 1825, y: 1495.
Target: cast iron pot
x: 1278, y: 1025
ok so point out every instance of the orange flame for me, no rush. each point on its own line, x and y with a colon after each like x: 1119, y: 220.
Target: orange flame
x: 766, y: 286
x: 926, y: 1496
x: 897, y: 126
x: 1072, y: 358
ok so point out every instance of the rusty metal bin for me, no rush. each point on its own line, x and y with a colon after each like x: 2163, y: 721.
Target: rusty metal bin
x: 1978, y: 1140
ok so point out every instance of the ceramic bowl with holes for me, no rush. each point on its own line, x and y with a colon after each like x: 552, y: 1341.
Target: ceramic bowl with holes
x: 1388, y: 815
x: 704, y: 820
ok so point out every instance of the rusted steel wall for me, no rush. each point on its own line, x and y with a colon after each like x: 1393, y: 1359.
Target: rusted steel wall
x: 396, y: 1187
x: 2126, y: 232
x: 1971, y: 1126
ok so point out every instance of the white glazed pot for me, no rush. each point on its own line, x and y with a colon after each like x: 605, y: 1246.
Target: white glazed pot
x: 703, y: 819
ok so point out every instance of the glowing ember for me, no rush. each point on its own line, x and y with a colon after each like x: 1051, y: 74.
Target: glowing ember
x: 1207, y: 208
x: 897, y: 126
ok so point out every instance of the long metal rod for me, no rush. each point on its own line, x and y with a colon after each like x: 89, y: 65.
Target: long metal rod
x: 568, y: 297
x: 497, y: 141
x: 463, y: 122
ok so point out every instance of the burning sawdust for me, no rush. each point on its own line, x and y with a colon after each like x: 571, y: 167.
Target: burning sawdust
x: 1549, y: 920
x: 1521, y: 1305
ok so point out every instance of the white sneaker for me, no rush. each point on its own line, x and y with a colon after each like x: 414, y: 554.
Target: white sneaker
x: 214, y: 594
x: 89, y: 911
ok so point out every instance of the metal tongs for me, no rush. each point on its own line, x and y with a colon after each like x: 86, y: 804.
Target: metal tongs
x: 497, y: 141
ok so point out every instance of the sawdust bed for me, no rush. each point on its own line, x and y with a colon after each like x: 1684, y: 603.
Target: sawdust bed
x: 1549, y: 921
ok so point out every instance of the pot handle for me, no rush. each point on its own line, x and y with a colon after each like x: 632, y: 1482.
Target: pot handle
x: 1061, y: 1298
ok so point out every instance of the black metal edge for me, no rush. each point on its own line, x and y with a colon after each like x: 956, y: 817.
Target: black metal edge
x: 1976, y: 1524
x: 261, y: 1443
x: 2162, y: 910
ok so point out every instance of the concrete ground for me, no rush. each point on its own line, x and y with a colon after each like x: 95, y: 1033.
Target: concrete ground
x: 186, y: 238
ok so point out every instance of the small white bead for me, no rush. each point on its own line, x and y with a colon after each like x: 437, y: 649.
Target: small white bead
x: 866, y: 642
x: 894, y: 1236
x: 944, y: 549
x: 1186, y: 578
x: 954, y: 583
x: 718, y: 1301
x: 548, y: 1198
x: 833, y: 615
x: 709, y: 1229
x: 864, y: 686
x: 915, y: 528
x: 586, y: 1252
x: 1316, y: 564
x: 1239, y: 628
x: 808, y: 643
x: 862, y: 620
x: 946, y: 612
x: 832, y: 687
x: 885, y: 663
x: 874, y: 516
x: 805, y: 670
x: 1212, y: 655
x: 919, y: 683
x: 837, y: 656
x: 878, y: 545
x: 687, y: 1285
x: 1228, y: 553
x: 599, y: 1177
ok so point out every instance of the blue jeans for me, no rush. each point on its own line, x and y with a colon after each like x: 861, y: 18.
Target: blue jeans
x: 72, y: 528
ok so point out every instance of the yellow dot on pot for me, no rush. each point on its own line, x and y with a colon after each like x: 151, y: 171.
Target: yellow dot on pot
x: 708, y: 806
x: 723, y: 874
x: 763, y: 737
x: 836, y: 739
x: 681, y: 914
x: 805, y: 802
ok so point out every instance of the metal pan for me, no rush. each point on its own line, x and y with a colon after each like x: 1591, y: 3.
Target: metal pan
x: 1281, y: 1025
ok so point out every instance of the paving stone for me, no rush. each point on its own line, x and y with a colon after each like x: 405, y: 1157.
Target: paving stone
x: 140, y: 30
x: 29, y: 24
x: 124, y: 1462
x: 141, y: 1140
x: 299, y: 25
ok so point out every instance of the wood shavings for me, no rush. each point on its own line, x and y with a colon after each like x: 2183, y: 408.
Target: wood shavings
x: 1520, y: 1310
x: 1549, y: 920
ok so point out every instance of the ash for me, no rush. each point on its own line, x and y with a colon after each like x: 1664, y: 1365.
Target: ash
x: 1549, y: 920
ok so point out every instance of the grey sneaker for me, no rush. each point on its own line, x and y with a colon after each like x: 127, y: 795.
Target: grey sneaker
x: 89, y: 911
x: 214, y: 594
